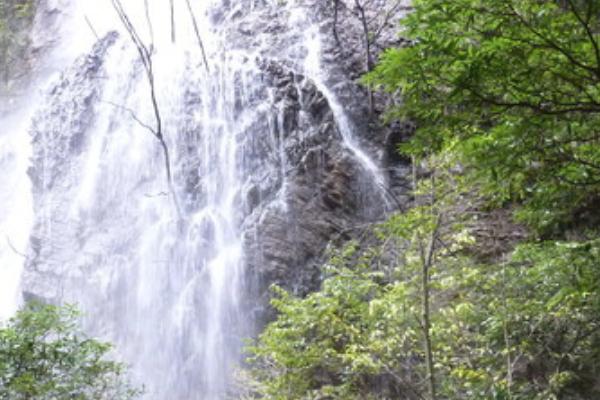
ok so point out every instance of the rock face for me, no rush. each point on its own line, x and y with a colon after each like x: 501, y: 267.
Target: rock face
x: 317, y: 196
x: 327, y: 192
x: 274, y: 154
x: 60, y: 133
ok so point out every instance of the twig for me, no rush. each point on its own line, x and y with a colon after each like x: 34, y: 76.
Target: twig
x: 157, y: 130
x: 172, y: 21
x: 14, y: 249
x: 198, y: 37
x: 133, y: 115
x: 89, y: 24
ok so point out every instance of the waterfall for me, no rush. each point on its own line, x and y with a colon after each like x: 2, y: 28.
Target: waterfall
x: 96, y: 222
x: 314, y: 69
x: 17, y: 212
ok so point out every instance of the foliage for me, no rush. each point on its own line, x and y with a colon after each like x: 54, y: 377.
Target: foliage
x: 43, y: 355
x: 511, y: 86
x: 15, y: 19
x: 525, y: 328
x: 333, y: 343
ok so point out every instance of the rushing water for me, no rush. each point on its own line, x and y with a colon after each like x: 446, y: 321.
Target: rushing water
x: 16, y: 216
x: 103, y: 228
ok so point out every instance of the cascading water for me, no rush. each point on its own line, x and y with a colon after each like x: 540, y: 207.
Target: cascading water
x: 17, y: 212
x: 314, y: 69
x: 167, y: 286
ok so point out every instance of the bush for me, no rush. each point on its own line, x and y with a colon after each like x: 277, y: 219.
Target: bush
x: 44, y: 355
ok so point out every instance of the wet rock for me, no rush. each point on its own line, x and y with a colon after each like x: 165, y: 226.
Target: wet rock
x: 71, y: 103
x: 59, y: 130
x: 315, y: 196
x: 305, y: 186
x: 301, y: 188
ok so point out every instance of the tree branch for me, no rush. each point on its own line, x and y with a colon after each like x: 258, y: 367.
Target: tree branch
x: 551, y: 43
x: 157, y: 130
x: 586, y: 27
x: 172, y: 20
x: 198, y: 37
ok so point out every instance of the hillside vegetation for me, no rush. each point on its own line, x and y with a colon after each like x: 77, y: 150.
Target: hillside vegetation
x: 488, y: 287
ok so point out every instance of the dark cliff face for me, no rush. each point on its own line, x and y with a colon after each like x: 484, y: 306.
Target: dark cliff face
x: 287, y: 230
x: 328, y: 193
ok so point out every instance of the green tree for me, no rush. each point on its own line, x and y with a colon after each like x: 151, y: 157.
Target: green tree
x: 526, y: 328
x: 511, y: 86
x: 339, y: 342
x: 419, y: 314
x: 44, y: 355
x: 371, y: 332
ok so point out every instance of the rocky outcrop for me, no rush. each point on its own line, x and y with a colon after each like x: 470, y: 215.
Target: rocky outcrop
x: 317, y: 195
x: 316, y: 190
x: 59, y: 132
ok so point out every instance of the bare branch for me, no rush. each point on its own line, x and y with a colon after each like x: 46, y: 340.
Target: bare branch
x: 89, y: 24
x: 387, y: 16
x: 12, y: 247
x: 134, y: 116
x: 172, y: 21
x: 149, y: 22
x: 157, y: 130
x: 426, y: 317
x: 198, y: 37
x: 367, y: 43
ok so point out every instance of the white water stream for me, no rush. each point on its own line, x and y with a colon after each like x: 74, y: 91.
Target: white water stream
x: 17, y: 210
x: 101, y: 226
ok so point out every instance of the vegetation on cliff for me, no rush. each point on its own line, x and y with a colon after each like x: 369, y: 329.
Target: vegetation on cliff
x: 15, y: 20
x: 488, y: 287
